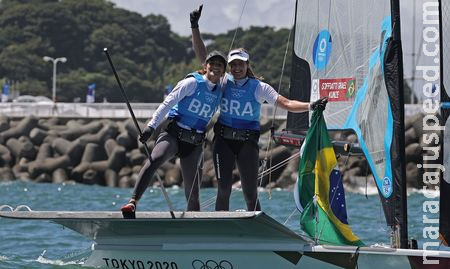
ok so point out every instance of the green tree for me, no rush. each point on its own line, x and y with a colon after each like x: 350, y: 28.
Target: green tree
x: 146, y: 53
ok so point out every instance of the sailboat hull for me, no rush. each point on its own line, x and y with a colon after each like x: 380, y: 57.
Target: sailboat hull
x: 200, y: 258
x: 265, y: 259
x: 222, y: 240
x: 380, y: 257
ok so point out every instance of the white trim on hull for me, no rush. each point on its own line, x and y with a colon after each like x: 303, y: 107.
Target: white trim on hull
x: 248, y: 257
x: 200, y: 260
x: 221, y: 240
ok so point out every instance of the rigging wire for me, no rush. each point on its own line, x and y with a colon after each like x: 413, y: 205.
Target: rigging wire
x: 290, y: 216
x: 367, y: 173
x: 198, y: 174
x: 272, y: 128
x: 211, y: 200
x: 263, y: 169
x: 237, y: 26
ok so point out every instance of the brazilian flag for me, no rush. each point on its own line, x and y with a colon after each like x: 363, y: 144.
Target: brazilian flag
x: 320, y: 192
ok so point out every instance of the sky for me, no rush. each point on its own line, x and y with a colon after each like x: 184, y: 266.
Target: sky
x: 257, y: 12
x: 221, y: 16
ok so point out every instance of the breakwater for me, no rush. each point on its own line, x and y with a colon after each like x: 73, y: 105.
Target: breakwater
x: 106, y: 152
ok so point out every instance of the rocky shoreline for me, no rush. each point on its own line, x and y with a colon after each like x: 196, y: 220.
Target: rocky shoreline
x: 107, y: 153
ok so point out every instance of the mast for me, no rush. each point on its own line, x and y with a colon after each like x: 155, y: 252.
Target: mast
x: 444, y: 187
x: 399, y: 127
x: 413, y: 56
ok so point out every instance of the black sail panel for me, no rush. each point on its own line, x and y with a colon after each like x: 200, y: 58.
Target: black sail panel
x: 395, y: 206
x: 299, y: 90
x: 300, y: 85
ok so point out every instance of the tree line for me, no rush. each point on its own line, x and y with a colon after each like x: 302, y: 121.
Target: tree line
x: 146, y: 53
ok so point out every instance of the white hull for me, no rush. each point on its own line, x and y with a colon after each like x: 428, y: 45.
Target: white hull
x: 229, y: 257
x: 217, y: 240
x: 196, y: 259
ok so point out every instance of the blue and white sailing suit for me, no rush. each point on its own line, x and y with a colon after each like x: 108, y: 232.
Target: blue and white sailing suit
x: 236, y: 138
x: 189, y: 106
x: 195, y: 110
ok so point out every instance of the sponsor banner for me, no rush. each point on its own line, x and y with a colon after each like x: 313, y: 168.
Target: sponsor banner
x: 337, y: 89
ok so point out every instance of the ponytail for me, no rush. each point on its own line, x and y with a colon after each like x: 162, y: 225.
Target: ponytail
x: 250, y: 73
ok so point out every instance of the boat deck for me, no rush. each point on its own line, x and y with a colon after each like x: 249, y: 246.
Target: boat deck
x: 106, y: 227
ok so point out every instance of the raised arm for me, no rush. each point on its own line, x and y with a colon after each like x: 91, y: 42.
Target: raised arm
x: 197, y: 42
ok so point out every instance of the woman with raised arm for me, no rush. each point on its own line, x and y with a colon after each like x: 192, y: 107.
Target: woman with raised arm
x: 237, y: 129
x: 190, y: 106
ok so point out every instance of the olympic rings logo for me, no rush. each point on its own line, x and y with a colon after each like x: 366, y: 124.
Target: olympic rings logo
x: 210, y: 98
x: 211, y: 264
x: 236, y: 95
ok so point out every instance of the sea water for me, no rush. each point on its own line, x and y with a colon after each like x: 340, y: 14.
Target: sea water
x: 43, y: 244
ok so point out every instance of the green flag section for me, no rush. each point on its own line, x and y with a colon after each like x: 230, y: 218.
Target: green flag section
x: 320, y: 196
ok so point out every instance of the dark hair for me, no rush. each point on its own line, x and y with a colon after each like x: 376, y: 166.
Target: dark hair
x: 201, y: 71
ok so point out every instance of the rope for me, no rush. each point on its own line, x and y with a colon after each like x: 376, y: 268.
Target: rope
x: 367, y: 173
x: 263, y: 169
x: 197, y: 173
x: 322, y: 241
x: 238, y: 24
x: 290, y: 216
x: 282, y: 70
x: 211, y: 200
x: 269, y: 143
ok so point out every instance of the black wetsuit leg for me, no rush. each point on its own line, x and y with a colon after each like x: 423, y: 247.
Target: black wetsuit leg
x: 248, y: 165
x: 192, y: 175
x: 166, y: 147
x: 224, y: 160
